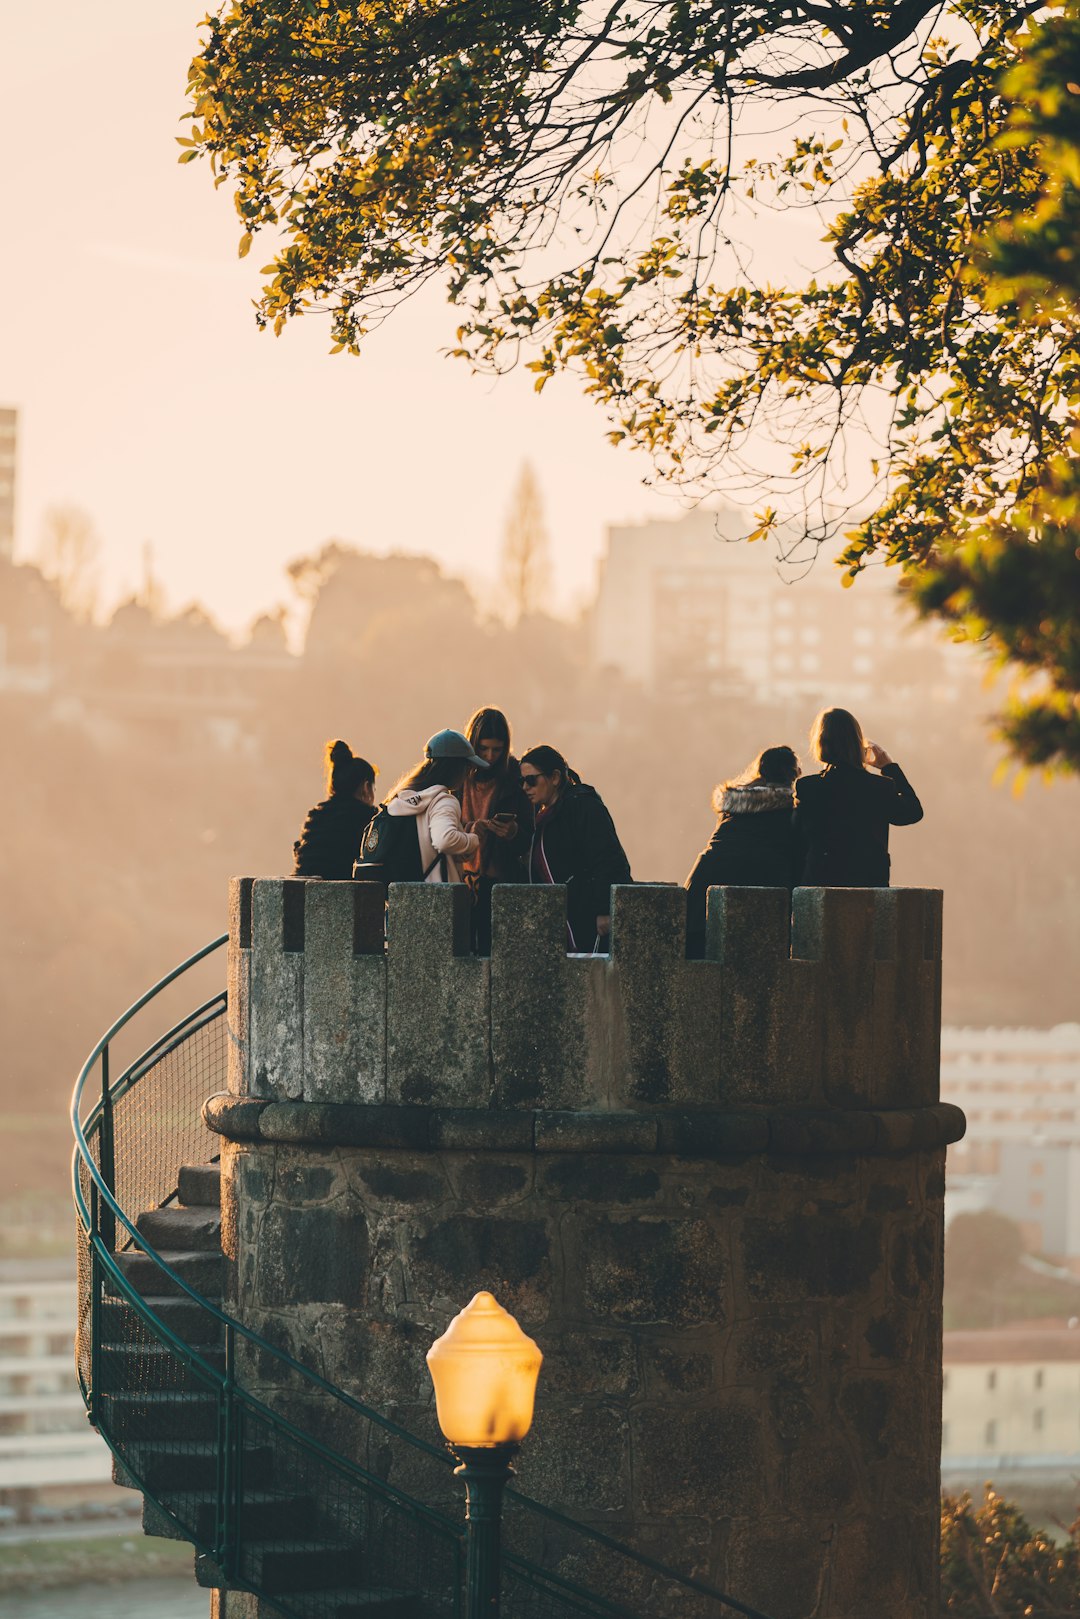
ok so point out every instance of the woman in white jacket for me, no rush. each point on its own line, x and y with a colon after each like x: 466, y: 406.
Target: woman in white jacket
x: 427, y: 791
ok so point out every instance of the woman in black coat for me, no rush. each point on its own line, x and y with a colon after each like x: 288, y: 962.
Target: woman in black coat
x: 845, y: 812
x: 330, y: 839
x: 574, y: 841
x: 755, y: 845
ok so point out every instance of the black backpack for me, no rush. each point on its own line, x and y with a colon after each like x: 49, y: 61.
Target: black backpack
x: 390, y: 850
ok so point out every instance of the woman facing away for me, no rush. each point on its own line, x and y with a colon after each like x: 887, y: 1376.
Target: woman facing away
x: 845, y: 812
x: 426, y: 792
x: 574, y: 841
x: 330, y: 839
x: 756, y: 843
x: 494, y: 806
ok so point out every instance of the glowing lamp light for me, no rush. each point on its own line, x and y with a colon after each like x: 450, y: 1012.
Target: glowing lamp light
x: 484, y: 1369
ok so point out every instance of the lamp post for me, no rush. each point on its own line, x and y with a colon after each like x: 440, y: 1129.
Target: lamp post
x: 484, y: 1369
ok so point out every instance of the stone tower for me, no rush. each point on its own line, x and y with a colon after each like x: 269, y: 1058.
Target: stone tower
x: 710, y: 1190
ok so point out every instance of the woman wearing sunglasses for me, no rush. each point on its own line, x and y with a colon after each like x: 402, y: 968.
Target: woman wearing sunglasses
x: 574, y: 842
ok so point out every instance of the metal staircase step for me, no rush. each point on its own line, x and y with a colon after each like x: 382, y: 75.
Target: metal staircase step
x: 169, y: 1465
x: 200, y: 1185
x: 378, y: 1602
x: 141, y: 1365
x: 190, y: 1322
x: 263, y: 1515
x: 287, y: 1566
x: 159, y: 1415
x: 204, y: 1272
x: 193, y: 1230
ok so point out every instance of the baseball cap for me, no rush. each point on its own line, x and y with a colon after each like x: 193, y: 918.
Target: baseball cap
x: 452, y: 745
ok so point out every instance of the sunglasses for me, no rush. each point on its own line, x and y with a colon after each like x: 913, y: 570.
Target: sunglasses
x: 530, y: 781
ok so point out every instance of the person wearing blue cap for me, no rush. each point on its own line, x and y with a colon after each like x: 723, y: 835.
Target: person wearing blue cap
x: 427, y: 792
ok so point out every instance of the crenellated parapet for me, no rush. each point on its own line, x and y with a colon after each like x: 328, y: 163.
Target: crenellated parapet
x: 832, y: 1001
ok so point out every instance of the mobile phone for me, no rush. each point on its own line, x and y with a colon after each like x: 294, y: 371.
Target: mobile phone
x: 503, y: 817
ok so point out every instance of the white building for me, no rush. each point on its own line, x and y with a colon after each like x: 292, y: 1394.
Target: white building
x: 46, y: 1443
x: 1010, y: 1403
x: 1020, y: 1090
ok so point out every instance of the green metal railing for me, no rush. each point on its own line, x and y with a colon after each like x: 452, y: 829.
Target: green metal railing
x: 300, y: 1493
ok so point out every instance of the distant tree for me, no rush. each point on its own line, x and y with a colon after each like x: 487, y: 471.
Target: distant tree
x: 981, y: 1250
x: 526, y: 563
x: 994, y: 1563
x: 69, y: 553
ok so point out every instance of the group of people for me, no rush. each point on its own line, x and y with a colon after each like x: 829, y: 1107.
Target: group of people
x: 471, y: 811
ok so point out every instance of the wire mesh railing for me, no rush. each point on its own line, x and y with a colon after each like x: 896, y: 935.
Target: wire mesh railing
x: 286, y: 1485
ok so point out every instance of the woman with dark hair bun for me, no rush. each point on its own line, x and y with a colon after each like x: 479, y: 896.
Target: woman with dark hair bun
x: 494, y: 806
x: 755, y: 844
x: 574, y: 841
x: 845, y: 812
x: 330, y: 839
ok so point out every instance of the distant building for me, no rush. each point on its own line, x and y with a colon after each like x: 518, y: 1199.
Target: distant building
x: 9, y: 424
x: 1011, y: 1413
x: 688, y: 606
x: 1020, y: 1090
x: 47, y: 1448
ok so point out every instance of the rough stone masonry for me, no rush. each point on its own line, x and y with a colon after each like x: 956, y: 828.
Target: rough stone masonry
x: 710, y: 1190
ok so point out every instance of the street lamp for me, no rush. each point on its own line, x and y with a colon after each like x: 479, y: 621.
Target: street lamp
x: 484, y: 1369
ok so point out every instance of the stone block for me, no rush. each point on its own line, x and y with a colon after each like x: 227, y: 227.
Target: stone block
x: 872, y: 1568
x: 775, y: 1563
x: 766, y: 1024
x: 276, y: 1029
x: 594, y: 1132
x: 438, y: 1002
x: 311, y: 1255
x: 676, y: 1371
x: 649, y: 1269
x: 907, y: 997
x: 577, y: 1457
x: 476, y: 1129
x: 590, y: 1363
x: 720, y: 1135
x: 486, y: 1181
x: 811, y: 1256
x: 669, y: 1006
x: 450, y: 1259
x: 538, y: 999
x: 834, y: 928
x: 344, y: 993
x: 686, y: 1457
x: 238, y: 986
x: 616, y: 1182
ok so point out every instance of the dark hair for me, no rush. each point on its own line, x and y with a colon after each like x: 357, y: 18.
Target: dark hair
x: 490, y: 725
x: 431, y: 773
x: 836, y: 738
x: 345, y: 770
x: 547, y: 760
x: 774, y: 767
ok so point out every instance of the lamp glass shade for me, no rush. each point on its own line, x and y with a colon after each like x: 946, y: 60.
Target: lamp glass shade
x: 484, y: 1369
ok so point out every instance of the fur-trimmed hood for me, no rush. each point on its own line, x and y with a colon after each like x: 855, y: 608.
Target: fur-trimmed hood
x: 755, y: 798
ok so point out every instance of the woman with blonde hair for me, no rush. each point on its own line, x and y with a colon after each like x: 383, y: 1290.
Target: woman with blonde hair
x: 845, y: 812
x: 755, y: 844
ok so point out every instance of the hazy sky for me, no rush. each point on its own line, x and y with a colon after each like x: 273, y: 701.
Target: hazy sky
x: 147, y: 395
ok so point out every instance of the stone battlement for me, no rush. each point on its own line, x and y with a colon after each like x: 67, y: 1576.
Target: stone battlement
x: 831, y: 1003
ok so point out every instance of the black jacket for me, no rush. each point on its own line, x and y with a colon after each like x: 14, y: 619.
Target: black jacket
x: 581, y: 848
x: 845, y: 814
x: 330, y: 839
x: 756, y: 845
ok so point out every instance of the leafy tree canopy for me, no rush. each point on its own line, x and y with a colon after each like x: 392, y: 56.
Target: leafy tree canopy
x: 582, y: 175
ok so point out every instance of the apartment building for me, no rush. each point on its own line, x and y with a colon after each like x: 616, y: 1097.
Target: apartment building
x: 1020, y: 1090
x: 688, y: 607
